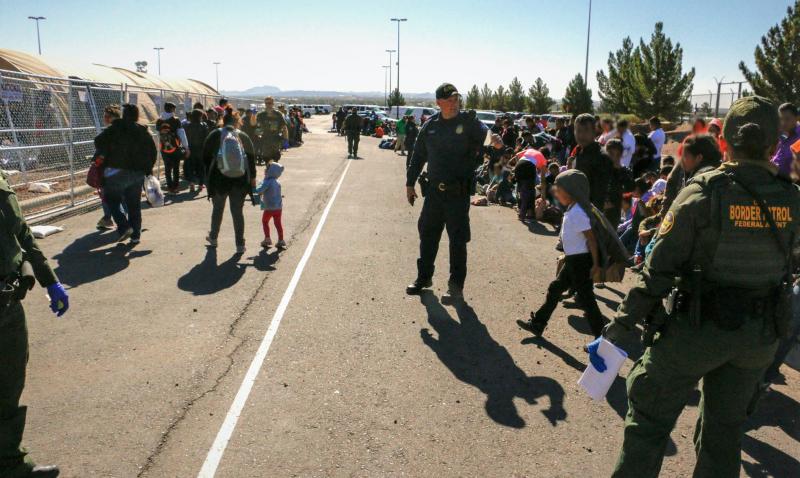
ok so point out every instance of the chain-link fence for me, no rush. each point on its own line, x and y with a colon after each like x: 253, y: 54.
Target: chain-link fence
x: 47, y: 128
x: 713, y: 104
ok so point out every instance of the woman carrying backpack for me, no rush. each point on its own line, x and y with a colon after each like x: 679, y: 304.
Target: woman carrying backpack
x: 229, y: 158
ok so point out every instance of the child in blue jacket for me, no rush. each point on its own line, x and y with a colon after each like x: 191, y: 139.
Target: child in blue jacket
x: 271, y: 203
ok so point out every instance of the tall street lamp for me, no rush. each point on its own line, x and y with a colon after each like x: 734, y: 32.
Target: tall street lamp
x: 386, y: 69
x: 398, y: 20
x: 390, y: 73
x: 588, y: 34
x: 216, y: 65
x: 158, y: 50
x: 38, y: 38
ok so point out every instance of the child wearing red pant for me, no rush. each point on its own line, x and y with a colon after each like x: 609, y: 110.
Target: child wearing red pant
x: 271, y: 203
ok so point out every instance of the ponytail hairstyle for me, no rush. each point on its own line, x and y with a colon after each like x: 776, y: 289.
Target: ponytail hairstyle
x: 231, y: 118
x: 705, y: 145
x: 750, y: 142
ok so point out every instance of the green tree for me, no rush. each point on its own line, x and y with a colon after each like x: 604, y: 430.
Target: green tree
x: 396, y: 98
x: 516, y: 96
x: 613, y: 88
x: 578, y: 98
x: 778, y: 60
x: 705, y: 109
x: 486, y: 97
x: 141, y: 66
x: 473, y: 100
x: 539, y: 101
x: 500, y: 99
x: 647, y: 80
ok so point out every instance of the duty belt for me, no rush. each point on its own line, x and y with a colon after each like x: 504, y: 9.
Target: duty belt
x: 451, y: 188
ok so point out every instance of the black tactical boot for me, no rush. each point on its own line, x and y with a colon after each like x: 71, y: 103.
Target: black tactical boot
x: 534, y: 325
x: 416, y: 287
x: 455, y: 293
x: 50, y: 471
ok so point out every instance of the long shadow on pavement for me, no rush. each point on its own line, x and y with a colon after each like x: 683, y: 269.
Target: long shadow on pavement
x: 208, y: 277
x: 774, y: 410
x: 88, y: 259
x: 617, y: 396
x: 465, y: 347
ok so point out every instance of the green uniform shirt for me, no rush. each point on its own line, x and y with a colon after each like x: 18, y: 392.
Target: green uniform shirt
x: 17, y: 243
x: 688, y: 237
x: 270, y: 125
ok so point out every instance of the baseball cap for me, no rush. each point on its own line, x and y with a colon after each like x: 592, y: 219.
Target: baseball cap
x: 446, y: 90
x: 752, y: 109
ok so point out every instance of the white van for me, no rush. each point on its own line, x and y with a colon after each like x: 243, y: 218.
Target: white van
x: 419, y: 113
x: 362, y: 108
x: 323, y: 109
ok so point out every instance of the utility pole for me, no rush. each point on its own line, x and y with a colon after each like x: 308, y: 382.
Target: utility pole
x: 390, y: 74
x: 158, y: 50
x: 588, y: 35
x: 38, y: 38
x: 398, y: 20
x: 216, y: 65
x: 386, y: 74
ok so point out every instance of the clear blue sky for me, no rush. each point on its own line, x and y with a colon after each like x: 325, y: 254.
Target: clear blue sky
x: 331, y: 45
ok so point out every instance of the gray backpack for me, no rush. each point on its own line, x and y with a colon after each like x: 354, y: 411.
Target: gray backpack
x: 231, y: 158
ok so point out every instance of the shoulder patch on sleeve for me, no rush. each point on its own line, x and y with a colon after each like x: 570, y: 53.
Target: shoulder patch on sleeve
x: 666, y: 224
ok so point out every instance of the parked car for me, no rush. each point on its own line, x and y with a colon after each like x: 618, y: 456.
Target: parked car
x: 487, y: 117
x: 323, y: 109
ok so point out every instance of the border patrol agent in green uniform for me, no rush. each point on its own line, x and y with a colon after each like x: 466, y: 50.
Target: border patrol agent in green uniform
x: 21, y: 264
x: 726, y: 309
x: 270, y: 125
x: 450, y: 143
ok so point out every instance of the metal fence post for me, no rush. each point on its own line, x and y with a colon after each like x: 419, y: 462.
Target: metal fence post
x: 14, y: 136
x: 70, y: 149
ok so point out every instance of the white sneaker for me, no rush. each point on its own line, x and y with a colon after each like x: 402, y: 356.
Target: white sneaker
x: 240, y: 249
x: 281, y: 244
x: 211, y: 242
x: 266, y: 243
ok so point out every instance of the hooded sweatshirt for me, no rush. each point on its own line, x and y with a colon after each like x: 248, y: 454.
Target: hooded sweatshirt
x: 270, y: 189
x: 611, y: 249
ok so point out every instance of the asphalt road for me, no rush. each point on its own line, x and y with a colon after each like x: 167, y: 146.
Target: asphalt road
x: 359, y: 379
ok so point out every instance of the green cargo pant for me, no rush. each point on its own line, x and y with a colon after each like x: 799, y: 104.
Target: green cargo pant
x: 731, y: 363
x: 13, y: 360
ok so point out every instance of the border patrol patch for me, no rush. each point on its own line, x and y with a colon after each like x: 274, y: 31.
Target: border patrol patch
x: 666, y: 224
x: 460, y: 129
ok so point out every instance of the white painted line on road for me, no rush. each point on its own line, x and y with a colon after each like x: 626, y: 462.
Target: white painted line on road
x: 214, y: 456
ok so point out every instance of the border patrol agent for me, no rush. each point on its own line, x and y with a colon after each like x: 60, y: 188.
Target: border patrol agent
x: 352, y: 129
x: 726, y: 239
x: 450, y: 143
x: 272, y: 127
x: 21, y: 264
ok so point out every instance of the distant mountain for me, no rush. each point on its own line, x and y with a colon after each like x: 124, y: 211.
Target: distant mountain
x: 275, y: 91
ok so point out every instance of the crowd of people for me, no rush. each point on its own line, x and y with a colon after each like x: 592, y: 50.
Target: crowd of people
x: 219, y: 147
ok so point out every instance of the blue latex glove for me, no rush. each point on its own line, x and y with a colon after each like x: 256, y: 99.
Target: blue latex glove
x: 59, y: 300
x: 596, y: 360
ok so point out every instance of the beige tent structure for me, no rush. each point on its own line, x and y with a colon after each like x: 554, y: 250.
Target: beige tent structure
x: 146, y: 90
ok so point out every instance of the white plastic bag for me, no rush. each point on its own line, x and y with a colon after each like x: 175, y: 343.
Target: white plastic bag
x: 152, y: 190
x: 40, y: 232
x: 40, y: 187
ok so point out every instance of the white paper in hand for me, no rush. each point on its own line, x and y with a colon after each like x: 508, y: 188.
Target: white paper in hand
x: 597, y: 383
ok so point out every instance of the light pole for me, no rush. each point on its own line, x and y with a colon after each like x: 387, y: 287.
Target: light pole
x: 216, y: 65
x: 390, y: 74
x: 386, y: 69
x: 158, y: 50
x: 38, y: 38
x: 588, y: 34
x: 398, y: 20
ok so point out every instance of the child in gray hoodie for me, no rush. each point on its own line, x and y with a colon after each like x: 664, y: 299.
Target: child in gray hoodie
x: 271, y: 203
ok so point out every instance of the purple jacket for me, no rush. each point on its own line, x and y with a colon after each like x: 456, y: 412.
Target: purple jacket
x: 783, y: 157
